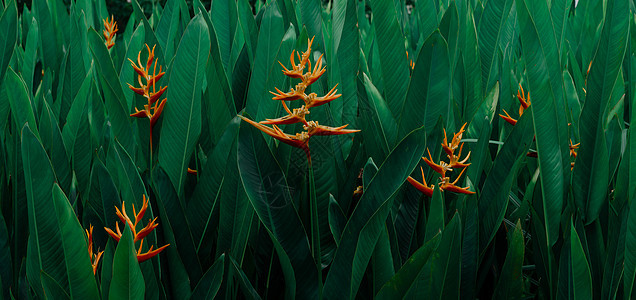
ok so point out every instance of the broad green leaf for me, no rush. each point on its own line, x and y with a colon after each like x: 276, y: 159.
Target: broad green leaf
x: 493, y: 200
x: 337, y: 219
x: 428, y: 95
x: 378, y: 125
x: 404, y: 279
x: 127, y: 281
x: 48, y: 41
x: 182, y: 114
x: 490, y: 33
x: 210, y: 284
x: 344, y: 276
x: 265, y: 185
x: 21, y: 105
x: 579, y: 280
x: 510, y: 283
x: 30, y: 55
x: 591, y: 171
x: 8, y: 35
x: 270, y: 32
x: 346, y: 48
x: 114, y: 99
x: 56, y: 243
x: 393, y: 62
x: 435, y: 222
x: 545, y: 85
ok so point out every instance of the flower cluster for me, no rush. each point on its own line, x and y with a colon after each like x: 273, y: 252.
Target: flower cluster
x: 110, y: 30
x: 137, y: 235
x: 311, y: 128
x: 442, y: 167
x: 153, y: 109
x: 95, y: 257
x: 525, y: 103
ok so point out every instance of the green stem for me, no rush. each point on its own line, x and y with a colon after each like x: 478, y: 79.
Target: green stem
x: 315, y: 229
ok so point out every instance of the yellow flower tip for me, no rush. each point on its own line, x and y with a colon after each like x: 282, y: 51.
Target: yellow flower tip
x: 191, y: 171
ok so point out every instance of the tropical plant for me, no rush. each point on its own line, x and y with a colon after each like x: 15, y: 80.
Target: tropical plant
x: 526, y: 198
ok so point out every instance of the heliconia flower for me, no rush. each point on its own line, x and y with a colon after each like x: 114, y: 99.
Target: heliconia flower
x: 137, y: 235
x: 422, y: 187
x: 313, y: 128
x: 191, y: 171
x: 298, y: 115
x: 446, y: 186
x: 300, y: 140
x: 312, y: 100
x: 440, y: 168
x: 293, y: 117
x: 443, y: 167
x: 524, y: 100
x: 110, y: 30
x: 153, y: 109
x: 297, y: 69
x: 94, y: 257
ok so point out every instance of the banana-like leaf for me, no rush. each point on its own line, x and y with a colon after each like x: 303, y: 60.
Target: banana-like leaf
x: 266, y: 188
x: 591, y: 171
x: 8, y: 36
x: 127, y: 281
x: 545, y: 85
x: 428, y: 95
x: 211, y: 281
x: 390, y: 42
x: 575, y: 281
x: 491, y: 38
x: 355, y: 249
x: 20, y: 102
x: 182, y: 114
x: 510, y: 285
x: 57, y: 244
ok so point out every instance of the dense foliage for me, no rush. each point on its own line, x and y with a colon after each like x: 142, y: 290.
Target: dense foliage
x: 411, y: 149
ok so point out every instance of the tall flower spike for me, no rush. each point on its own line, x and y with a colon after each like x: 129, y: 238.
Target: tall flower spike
x: 110, y: 30
x: 153, y: 109
x: 95, y: 257
x: 298, y: 115
x: 137, y: 235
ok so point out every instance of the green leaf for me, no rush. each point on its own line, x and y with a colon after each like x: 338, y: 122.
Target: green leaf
x: 510, y: 285
x: 357, y: 243
x: 491, y: 38
x: 545, y: 84
x: 271, y: 30
x: 379, y: 128
x: 393, y: 62
x: 210, y: 284
x: 337, y: 219
x: 435, y: 221
x: 52, y: 288
x: 114, y: 99
x: 404, y: 279
x: 30, y: 55
x: 48, y: 40
x: 265, y: 185
x: 127, y: 282
x: 8, y: 35
x: 20, y: 101
x: 57, y: 244
x: 440, y: 276
x: 428, y: 95
x: 182, y: 114
x: 346, y: 49
x: 493, y: 200
x: 579, y: 279
x: 591, y: 171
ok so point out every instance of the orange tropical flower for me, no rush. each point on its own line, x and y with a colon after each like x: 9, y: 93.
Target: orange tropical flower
x: 525, y: 103
x: 95, y: 257
x: 298, y: 115
x: 110, y: 30
x: 153, y: 109
x: 455, y: 161
x: 137, y: 235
